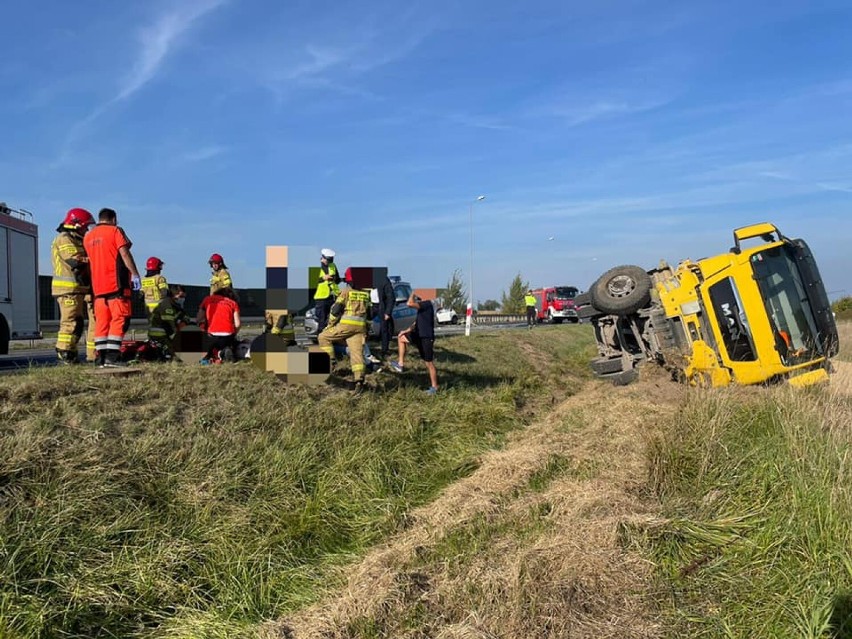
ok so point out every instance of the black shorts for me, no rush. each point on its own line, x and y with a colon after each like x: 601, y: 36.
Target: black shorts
x: 425, y: 346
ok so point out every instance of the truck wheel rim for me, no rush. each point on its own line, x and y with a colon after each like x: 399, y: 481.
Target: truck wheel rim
x: 621, y: 286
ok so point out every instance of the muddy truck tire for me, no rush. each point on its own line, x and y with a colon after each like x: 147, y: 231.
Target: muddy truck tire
x: 607, y: 365
x: 621, y: 290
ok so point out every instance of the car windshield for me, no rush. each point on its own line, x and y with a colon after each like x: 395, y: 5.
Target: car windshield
x: 787, y: 304
x: 402, y: 291
x: 565, y: 293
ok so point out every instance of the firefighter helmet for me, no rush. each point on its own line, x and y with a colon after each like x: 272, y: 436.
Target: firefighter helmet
x: 78, y: 218
x: 327, y: 254
x: 347, y: 276
x: 154, y: 264
x: 216, y: 259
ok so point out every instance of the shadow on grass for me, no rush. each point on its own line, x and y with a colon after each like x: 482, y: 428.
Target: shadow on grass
x: 841, y: 617
x: 419, y: 378
x: 452, y: 357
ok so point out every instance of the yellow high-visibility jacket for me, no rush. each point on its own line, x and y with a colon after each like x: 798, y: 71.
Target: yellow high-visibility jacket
x: 329, y: 288
x: 154, y: 288
x: 70, y: 275
x: 220, y: 279
x: 351, y: 308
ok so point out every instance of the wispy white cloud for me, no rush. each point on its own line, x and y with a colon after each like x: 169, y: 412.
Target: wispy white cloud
x: 204, y: 153
x: 158, y: 40
x: 582, y: 113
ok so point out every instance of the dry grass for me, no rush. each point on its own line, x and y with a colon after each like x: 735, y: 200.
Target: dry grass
x: 844, y: 332
x: 527, y: 546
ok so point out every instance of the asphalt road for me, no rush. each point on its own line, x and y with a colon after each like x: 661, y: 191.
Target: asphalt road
x: 43, y: 354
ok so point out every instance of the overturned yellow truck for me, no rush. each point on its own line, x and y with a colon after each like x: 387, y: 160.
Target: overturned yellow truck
x: 756, y: 314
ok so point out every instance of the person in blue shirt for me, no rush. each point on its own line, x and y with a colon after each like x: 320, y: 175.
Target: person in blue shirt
x: 422, y: 335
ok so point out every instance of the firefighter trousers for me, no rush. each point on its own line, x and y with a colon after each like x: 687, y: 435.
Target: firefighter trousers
x: 354, y: 336
x: 73, y: 311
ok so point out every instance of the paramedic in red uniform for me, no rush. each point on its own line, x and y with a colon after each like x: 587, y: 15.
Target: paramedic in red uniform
x: 219, y: 313
x: 114, y: 275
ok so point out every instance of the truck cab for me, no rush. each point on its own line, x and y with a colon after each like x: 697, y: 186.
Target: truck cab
x: 752, y: 315
x: 556, y: 304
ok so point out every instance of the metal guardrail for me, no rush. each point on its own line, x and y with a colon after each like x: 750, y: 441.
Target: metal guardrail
x: 496, y: 318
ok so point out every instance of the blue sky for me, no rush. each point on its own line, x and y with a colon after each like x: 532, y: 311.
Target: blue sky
x: 626, y: 131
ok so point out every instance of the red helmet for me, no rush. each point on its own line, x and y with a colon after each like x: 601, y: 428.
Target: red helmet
x: 78, y: 218
x: 216, y: 259
x: 154, y: 264
x: 347, y: 276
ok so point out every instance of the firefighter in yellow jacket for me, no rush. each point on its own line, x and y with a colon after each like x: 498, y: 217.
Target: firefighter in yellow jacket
x: 154, y: 285
x: 72, y: 286
x: 220, y: 277
x: 347, y: 322
x: 167, y: 318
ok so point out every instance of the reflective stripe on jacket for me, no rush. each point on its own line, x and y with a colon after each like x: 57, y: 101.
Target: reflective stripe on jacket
x: 70, y: 277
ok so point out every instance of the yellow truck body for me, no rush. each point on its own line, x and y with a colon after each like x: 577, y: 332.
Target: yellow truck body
x: 751, y: 315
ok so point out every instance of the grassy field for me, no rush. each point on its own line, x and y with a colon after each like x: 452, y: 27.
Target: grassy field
x: 190, y: 501
x: 844, y: 331
x: 755, y: 489
x: 525, y: 500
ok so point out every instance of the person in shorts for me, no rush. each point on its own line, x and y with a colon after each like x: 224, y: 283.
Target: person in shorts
x: 422, y: 335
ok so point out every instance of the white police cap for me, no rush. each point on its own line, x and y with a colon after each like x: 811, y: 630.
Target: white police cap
x: 327, y: 253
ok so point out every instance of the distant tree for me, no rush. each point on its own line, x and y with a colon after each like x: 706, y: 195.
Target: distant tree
x: 454, y: 296
x: 513, y: 300
x: 488, y: 305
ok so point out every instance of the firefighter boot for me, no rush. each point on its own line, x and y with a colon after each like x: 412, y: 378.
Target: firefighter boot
x: 67, y: 357
x: 358, y: 388
x: 112, y: 359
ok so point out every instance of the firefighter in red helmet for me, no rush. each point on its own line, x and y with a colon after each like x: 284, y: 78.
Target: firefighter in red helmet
x: 220, y: 278
x: 72, y: 285
x: 154, y: 284
x: 347, y: 322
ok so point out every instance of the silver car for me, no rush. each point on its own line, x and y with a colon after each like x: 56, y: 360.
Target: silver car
x: 403, y: 316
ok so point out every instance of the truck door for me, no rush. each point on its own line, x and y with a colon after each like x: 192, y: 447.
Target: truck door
x: 24, y: 285
x: 4, y: 265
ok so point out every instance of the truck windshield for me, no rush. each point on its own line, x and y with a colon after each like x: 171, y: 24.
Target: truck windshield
x: 787, y: 304
x: 565, y: 292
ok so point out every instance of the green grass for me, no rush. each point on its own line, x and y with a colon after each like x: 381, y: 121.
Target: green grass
x: 196, y: 502
x: 757, y: 491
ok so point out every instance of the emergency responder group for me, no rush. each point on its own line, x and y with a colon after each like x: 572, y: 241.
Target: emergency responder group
x: 94, y: 276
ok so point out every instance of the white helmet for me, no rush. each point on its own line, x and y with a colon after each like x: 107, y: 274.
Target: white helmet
x: 327, y: 254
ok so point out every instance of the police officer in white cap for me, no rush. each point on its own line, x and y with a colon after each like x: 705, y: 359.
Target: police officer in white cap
x: 327, y: 288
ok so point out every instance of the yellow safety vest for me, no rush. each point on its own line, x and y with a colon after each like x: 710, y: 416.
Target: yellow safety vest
x: 529, y: 300
x: 329, y: 288
x: 154, y: 289
x: 67, y: 279
x: 220, y: 279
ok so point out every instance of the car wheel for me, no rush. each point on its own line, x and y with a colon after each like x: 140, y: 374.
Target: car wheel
x: 622, y: 290
x: 455, y: 319
x: 582, y: 299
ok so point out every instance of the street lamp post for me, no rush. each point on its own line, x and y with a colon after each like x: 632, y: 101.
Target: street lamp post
x: 470, y: 273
